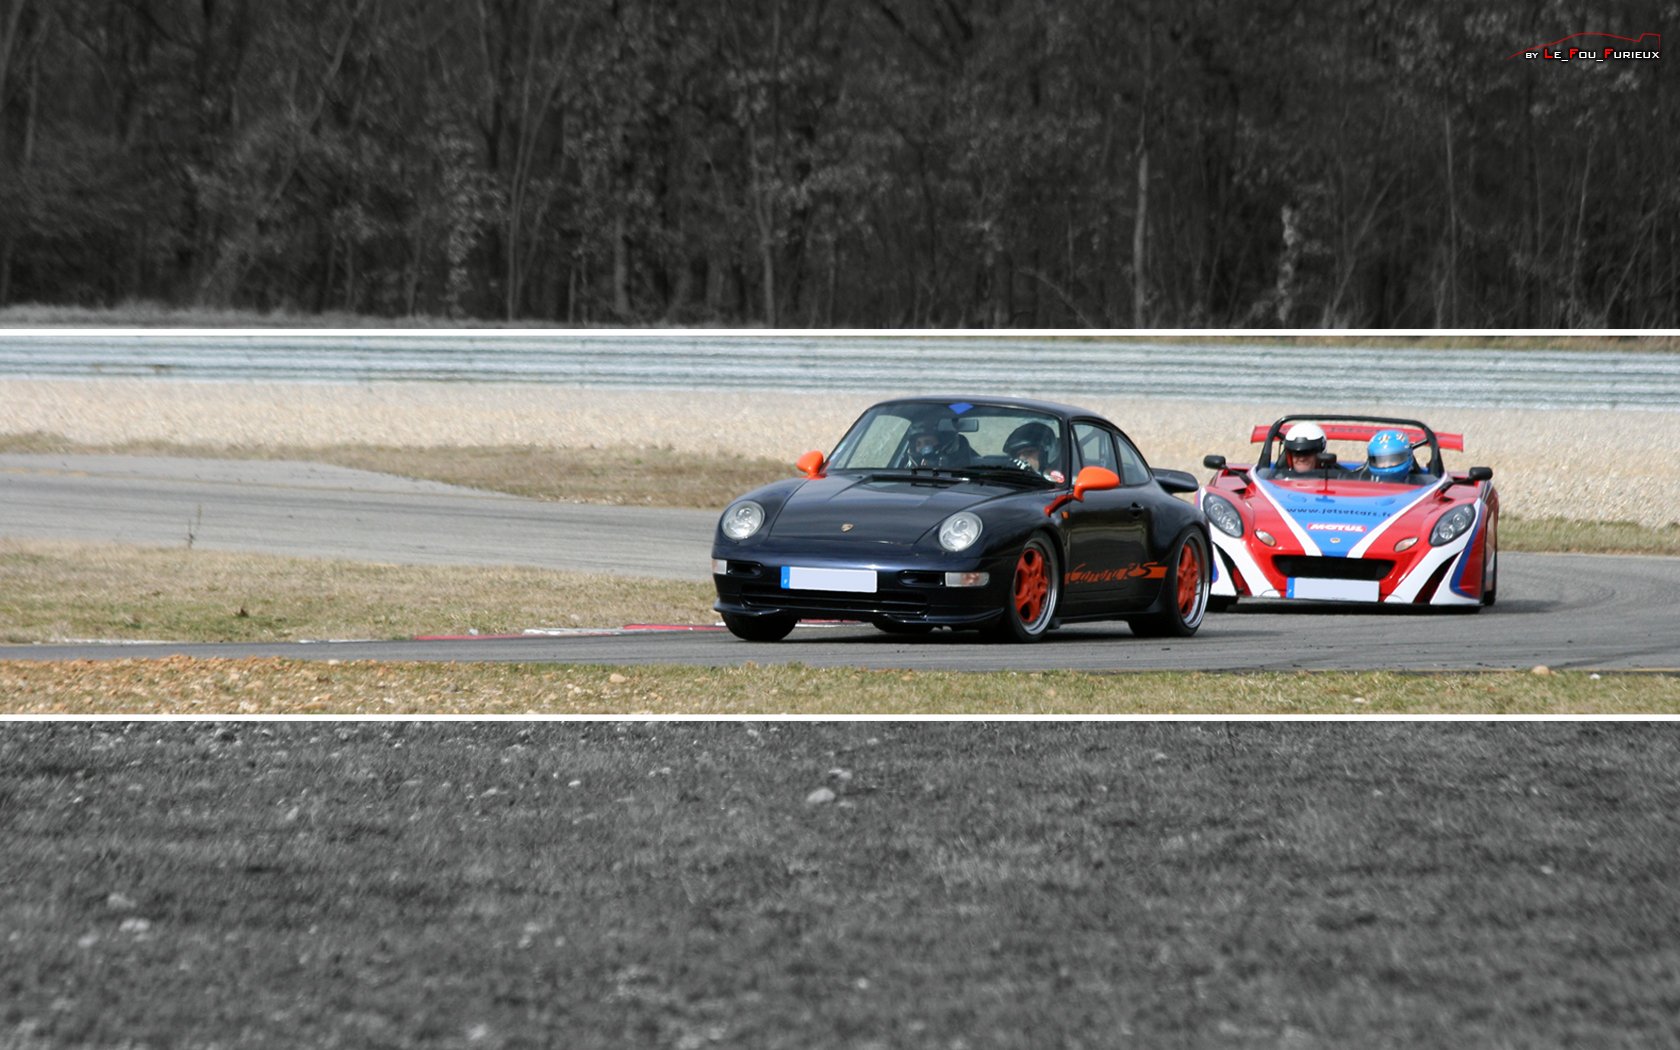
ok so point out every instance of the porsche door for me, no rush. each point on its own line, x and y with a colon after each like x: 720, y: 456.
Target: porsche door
x: 1108, y: 532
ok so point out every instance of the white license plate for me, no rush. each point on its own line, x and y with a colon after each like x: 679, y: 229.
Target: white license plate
x: 1332, y: 590
x: 798, y: 578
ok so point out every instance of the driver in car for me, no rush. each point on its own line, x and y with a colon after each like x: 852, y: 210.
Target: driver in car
x: 1301, y: 445
x: 932, y: 445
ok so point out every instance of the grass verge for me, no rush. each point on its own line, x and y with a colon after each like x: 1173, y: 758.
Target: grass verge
x: 881, y: 885
x: 184, y: 686
x: 53, y: 589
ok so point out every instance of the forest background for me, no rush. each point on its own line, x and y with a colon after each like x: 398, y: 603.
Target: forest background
x: 851, y: 163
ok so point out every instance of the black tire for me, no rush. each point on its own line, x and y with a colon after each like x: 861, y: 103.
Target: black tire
x: 772, y: 628
x: 1034, y: 589
x: 1221, y: 602
x: 1490, y: 578
x: 1186, y: 600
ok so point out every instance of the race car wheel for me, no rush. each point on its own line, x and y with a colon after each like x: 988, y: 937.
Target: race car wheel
x: 1033, y: 591
x: 759, y: 628
x: 1185, y: 592
x: 1490, y: 578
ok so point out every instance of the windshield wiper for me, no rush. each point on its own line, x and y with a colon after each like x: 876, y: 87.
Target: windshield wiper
x: 920, y: 475
x: 1015, y: 474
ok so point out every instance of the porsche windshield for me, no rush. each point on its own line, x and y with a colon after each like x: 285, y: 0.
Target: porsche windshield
x: 956, y: 437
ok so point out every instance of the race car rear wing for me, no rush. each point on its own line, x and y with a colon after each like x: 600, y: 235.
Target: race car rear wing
x: 1366, y: 431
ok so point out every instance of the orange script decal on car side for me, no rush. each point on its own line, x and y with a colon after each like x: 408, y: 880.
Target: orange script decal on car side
x: 1147, y: 571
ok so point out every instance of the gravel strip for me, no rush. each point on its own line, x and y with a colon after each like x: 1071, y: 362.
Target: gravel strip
x: 1575, y: 464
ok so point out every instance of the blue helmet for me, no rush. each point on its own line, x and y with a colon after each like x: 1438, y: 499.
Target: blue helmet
x: 1389, y: 456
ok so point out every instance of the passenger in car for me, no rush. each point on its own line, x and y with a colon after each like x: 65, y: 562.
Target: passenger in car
x: 1029, y: 445
x: 1389, y: 458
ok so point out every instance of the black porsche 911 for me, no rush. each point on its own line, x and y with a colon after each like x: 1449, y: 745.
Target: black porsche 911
x: 1006, y: 516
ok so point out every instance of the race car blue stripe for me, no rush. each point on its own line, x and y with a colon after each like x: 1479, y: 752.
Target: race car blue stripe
x: 1457, y: 582
x: 1337, y: 522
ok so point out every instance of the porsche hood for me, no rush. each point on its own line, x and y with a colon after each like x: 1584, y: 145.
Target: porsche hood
x: 870, y: 508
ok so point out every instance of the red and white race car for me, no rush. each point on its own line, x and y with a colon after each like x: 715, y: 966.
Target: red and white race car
x: 1348, y: 513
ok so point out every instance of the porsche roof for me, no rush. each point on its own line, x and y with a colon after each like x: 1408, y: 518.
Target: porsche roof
x: 1048, y: 407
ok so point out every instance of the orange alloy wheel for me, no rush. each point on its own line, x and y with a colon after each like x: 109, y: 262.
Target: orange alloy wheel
x: 1032, y: 585
x: 1189, y: 580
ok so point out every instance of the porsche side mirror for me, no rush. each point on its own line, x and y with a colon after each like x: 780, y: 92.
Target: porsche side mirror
x: 1214, y: 462
x: 811, y: 464
x: 1090, y: 479
x: 1481, y: 474
x: 1094, y: 479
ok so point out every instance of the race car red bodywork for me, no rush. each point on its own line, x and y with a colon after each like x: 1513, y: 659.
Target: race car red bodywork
x: 1334, y: 534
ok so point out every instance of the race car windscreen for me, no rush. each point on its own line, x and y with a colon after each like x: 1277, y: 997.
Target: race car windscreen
x: 1353, y: 464
x: 951, y: 436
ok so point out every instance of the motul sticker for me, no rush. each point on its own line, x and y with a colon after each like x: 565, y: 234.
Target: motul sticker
x: 1335, y: 526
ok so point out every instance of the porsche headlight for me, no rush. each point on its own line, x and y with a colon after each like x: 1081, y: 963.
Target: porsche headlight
x: 743, y: 519
x: 960, y: 531
x: 1223, y: 516
x: 1452, y: 525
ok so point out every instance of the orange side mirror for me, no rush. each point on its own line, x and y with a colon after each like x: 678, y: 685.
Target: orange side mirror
x: 811, y: 464
x: 1094, y: 479
x: 1090, y: 479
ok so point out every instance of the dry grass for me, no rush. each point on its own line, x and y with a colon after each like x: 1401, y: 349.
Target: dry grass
x: 1587, y: 537
x: 52, y: 589
x: 181, y: 685
x: 650, y: 477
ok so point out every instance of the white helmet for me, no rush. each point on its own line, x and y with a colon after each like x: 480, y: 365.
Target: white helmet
x: 1304, y: 438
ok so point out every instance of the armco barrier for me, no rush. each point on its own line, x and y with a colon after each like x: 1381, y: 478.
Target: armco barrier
x: 1066, y: 368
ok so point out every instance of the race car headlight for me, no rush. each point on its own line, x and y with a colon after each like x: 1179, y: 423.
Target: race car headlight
x: 1223, y: 516
x: 1452, y: 525
x: 743, y: 519
x: 960, y: 531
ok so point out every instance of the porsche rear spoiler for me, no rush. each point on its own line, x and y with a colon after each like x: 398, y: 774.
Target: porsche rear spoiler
x: 1366, y: 431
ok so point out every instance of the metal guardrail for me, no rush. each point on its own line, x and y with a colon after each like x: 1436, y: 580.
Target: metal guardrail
x: 1063, y: 368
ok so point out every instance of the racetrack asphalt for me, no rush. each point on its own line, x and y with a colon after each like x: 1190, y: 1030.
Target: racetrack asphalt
x: 1561, y: 610
x: 317, y: 510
